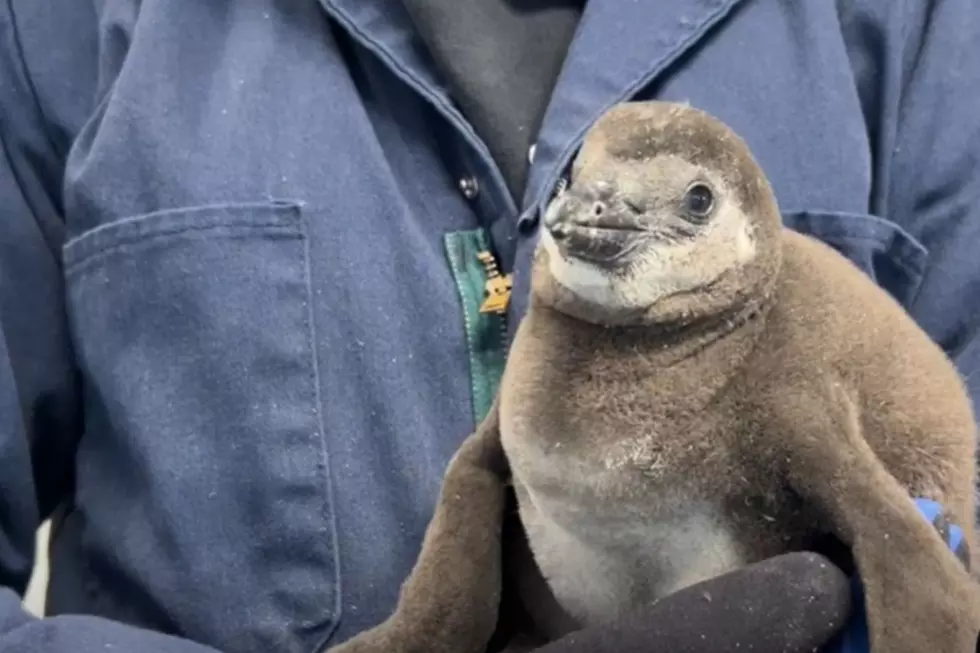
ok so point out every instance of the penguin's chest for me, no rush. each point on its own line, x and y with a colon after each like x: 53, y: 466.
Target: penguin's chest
x: 619, y: 514
x: 603, y: 566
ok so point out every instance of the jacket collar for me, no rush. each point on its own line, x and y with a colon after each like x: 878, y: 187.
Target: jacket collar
x: 620, y: 47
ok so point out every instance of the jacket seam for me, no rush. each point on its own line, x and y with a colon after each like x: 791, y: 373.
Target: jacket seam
x: 6, y: 144
x: 18, y: 48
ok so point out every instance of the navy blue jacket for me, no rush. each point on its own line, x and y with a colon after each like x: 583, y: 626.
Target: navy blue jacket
x: 239, y: 284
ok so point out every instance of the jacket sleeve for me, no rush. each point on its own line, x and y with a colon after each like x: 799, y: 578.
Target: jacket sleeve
x: 39, y: 410
x: 922, y: 96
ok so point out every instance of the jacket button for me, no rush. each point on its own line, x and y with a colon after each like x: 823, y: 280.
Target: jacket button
x: 469, y: 187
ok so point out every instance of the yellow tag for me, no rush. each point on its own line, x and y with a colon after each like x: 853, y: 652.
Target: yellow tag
x: 498, y: 294
x: 497, y: 287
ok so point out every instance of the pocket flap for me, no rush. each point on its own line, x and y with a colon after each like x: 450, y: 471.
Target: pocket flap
x: 185, y: 222
x: 888, y: 254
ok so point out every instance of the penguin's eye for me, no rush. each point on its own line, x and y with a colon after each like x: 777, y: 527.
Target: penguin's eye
x: 698, y: 202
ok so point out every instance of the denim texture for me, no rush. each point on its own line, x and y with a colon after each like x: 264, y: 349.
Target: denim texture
x: 233, y: 355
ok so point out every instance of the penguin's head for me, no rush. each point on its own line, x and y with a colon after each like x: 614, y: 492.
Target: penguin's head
x: 667, y: 217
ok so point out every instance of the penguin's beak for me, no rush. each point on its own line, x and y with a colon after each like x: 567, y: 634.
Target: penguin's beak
x: 596, y: 224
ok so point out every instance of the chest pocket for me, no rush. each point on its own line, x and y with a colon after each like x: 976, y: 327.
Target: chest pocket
x: 892, y: 257
x: 202, y: 474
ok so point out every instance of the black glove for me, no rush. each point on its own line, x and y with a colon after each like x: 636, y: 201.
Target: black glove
x: 792, y: 603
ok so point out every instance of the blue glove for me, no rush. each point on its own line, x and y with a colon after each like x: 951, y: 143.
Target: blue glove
x: 854, y: 638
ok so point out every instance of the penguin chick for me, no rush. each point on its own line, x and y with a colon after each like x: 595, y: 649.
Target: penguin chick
x: 695, y: 388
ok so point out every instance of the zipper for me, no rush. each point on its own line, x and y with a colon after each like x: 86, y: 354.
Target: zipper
x: 496, y: 291
x: 498, y: 287
x: 485, y: 295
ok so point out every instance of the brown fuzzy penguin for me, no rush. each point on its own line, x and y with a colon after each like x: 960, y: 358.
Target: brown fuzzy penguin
x: 696, y: 388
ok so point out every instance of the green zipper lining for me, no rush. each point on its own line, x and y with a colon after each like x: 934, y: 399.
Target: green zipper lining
x: 484, y: 331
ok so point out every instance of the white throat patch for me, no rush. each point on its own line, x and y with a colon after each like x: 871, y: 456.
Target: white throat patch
x: 662, y: 269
